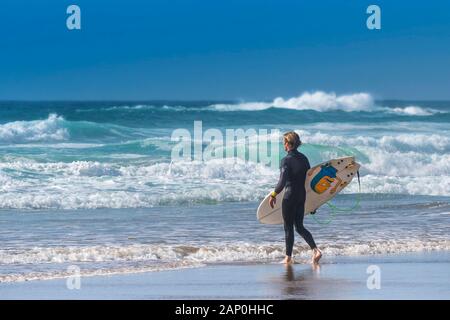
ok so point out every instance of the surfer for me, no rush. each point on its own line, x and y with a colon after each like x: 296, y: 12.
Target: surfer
x: 293, y: 171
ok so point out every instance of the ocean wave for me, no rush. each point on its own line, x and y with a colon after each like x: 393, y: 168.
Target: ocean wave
x: 85, y: 184
x: 318, y: 101
x: 135, y: 182
x: 163, y: 257
x: 324, y: 102
x: 57, y: 145
x: 408, y: 185
x: 402, y: 155
x: 441, y: 205
x: 407, y: 163
x: 48, y: 130
x: 424, y: 143
x: 141, y: 107
x: 68, y: 134
x: 402, y: 142
x: 49, y: 275
x: 412, y: 111
x: 138, y: 139
x: 129, y: 193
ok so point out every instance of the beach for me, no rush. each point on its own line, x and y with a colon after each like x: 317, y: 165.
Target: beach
x: 91, y: 189
x: 413, y: 276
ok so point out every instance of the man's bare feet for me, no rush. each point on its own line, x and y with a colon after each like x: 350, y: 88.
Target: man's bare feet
x: 317, y: 254
x: 288, y: 260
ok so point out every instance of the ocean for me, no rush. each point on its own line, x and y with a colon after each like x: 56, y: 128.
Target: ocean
x: 93, y: 184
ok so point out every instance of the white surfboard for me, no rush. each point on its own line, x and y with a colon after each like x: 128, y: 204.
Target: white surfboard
x: 322, y: 183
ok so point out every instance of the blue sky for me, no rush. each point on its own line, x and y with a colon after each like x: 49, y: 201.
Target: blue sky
x: 227, y: 49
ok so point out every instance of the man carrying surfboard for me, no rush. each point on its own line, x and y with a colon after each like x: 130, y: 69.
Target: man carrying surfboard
x: 293, y: 171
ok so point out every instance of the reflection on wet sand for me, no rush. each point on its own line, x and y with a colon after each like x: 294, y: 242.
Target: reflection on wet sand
x: 298, y: 282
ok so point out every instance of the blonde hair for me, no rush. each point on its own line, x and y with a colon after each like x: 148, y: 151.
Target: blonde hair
x: 292, y: 139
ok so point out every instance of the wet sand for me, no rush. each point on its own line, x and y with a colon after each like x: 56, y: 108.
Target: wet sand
x: 407, y: 276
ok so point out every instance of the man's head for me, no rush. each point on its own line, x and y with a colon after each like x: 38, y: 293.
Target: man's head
x: 291, y: 141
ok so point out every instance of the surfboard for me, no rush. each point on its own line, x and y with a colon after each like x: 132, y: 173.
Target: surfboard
x: 322, y: 183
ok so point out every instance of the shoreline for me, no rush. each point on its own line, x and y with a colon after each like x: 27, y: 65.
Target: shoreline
x: 423, y: 275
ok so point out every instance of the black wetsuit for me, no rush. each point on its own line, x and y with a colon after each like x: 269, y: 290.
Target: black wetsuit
x: 292, y: 177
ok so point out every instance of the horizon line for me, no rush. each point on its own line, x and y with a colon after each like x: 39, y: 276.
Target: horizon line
x: 192, y: 100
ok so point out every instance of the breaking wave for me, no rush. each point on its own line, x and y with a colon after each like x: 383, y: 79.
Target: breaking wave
x: 145, y: 258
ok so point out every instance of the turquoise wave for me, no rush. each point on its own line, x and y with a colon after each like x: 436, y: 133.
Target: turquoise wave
x: 89, y: 119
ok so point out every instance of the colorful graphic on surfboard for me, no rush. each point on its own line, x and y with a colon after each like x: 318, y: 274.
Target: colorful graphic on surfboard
x: 322, y: 183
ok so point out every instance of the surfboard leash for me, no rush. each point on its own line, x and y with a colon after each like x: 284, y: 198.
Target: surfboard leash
x: 334, y: 209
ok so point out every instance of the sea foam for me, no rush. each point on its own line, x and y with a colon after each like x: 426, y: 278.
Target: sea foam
x: 50, y: 129
x: 166, y: 257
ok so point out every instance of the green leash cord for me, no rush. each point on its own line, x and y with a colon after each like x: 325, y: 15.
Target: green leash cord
x: 335, y: 210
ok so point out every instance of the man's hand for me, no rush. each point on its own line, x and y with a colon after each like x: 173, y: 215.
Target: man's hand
x: 272, y: 201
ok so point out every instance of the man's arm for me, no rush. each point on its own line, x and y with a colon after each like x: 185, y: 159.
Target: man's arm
x: 282, y: 180
x: 308, y: 166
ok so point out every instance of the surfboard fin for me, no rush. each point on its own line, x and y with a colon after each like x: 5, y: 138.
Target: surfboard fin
x: 359, y: 182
